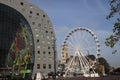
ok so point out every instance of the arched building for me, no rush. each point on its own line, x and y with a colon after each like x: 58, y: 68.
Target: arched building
x: 27, y: 38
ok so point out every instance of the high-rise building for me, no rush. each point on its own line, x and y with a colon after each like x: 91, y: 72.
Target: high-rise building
x: 27, y: 38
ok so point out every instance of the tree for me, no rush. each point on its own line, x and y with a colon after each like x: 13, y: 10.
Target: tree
x: 92, y: 57
x: 114, y: 13
x: 103, y: 61
x: 116, y: 71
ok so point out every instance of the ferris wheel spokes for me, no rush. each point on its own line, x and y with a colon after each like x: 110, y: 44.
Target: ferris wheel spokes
x: 81, y: 43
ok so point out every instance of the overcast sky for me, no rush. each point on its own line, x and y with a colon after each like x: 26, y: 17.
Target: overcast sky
x: 66, y: 15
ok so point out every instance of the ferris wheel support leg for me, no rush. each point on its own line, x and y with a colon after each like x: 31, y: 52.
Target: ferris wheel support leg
x: 68, y: 68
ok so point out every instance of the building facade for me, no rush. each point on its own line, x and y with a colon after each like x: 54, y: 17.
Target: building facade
x: 26, y: 37
x: 65, y: 54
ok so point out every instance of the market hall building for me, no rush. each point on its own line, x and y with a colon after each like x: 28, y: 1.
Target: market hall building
x: 27, y: 38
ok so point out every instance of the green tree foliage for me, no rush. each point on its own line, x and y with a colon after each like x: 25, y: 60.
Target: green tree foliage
x: 114, y: 13
x: 92, y: 57
x: 103, y: 61
x: 117, y: 70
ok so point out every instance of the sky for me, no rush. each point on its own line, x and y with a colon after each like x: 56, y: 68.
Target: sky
x: 66, y: 15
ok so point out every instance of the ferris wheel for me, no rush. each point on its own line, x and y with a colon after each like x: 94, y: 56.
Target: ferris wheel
x: 81, y: 42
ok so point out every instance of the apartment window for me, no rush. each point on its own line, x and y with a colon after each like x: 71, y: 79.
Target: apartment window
x: 37, y: 40
x: 51, y: 32
x: 44, y: 52
x: 44, y: 66
x: 48, y: 47
x: 38, y: 52
x: 38, y: 66
x: 43, y: 15
x: 37, y: 14
x: 49, y: 66
x: 33, y: 23
x: 39, y: 25
x: 21, y: 3
x: 30, y: 12
x: 49, y: 53
x: 46, y: 31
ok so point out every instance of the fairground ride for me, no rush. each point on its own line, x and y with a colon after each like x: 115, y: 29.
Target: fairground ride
x: 81, y: 43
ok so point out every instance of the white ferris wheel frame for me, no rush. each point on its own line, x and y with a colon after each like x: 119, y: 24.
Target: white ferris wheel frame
x: 91, y: 33
x: 85, y: 66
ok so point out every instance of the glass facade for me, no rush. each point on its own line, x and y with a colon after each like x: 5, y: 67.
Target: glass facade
x: 16, y: 40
